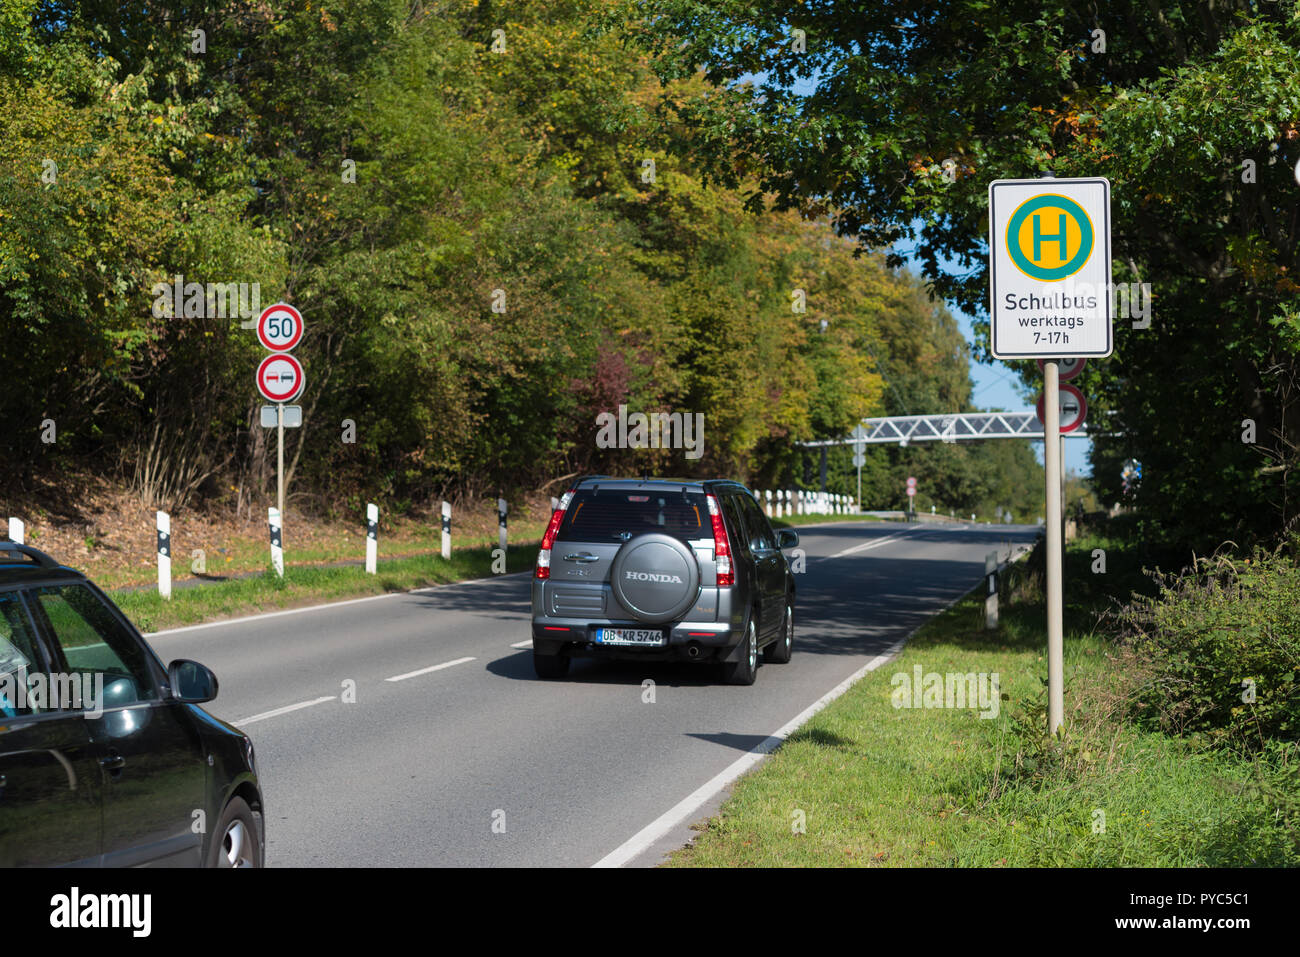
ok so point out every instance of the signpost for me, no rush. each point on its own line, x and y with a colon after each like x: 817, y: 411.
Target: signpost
x: 1049, y: 296
x: 911, y: 496
x: 280, y: 379
x: 859, y: 459
x: 1069, y: 367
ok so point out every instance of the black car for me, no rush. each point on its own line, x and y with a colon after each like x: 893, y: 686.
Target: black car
x: 105, y: 757
x: 658, y: 569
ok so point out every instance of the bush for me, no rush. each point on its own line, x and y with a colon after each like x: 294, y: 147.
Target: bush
x: 1218, y: 650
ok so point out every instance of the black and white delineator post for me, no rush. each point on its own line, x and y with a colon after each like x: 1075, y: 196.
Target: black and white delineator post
x: 372, y: 538
x: 16, y: 531
x: 502, y: 510
x: 164, y: 555
x: 446, y: 530
x: 991, y: 597
x: 277, y: 547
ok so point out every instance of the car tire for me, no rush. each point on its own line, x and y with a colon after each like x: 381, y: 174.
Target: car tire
x: 237, y: 842
x: 779, y: 651
x: 550, y: 666
x: 744, y: 671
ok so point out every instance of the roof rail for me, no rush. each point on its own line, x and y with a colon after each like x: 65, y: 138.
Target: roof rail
x: 42, y: 559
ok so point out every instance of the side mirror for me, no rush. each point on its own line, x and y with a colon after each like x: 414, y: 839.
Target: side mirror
x: 787, y: 538
x: 192, y: 683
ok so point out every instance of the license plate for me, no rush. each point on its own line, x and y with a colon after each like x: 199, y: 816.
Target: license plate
x: 649, y: 637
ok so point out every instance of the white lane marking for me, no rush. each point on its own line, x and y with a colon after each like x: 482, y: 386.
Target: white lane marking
x: 285, y: 710
x: 689, y: 805
x: 523, y: 644
x: 333, y: 604
x: 425, y: 671
x: 867, y: 546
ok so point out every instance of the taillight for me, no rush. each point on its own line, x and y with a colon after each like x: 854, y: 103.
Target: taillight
x: 543, y: 569
x: 721, y: 547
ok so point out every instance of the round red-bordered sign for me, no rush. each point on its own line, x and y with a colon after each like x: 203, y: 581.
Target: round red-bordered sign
x: 280, y: 377
x: 1074, y: 407
x: 1067, y: 368
x: 279, y: 327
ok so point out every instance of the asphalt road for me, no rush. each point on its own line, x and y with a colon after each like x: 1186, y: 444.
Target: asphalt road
x: 454, y: 754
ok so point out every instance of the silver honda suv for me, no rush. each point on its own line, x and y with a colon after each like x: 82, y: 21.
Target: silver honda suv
x: 661, y: 569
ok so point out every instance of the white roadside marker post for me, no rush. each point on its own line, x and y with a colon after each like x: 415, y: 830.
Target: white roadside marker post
x: 502, y: 509
x: 991, y: 599
x: 16, y: 531
x: 164, y: 555
x: 277, y: 546
x: 446, y: 530
x: 372, y: 538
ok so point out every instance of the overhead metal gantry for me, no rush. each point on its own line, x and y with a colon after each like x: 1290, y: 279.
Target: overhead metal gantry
x: 951, y: 427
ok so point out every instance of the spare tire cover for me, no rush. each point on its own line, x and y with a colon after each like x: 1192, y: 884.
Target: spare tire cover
x: 655, y: 577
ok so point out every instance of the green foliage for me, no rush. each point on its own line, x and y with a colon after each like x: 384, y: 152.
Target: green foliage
x: 382, y: 167
x: 1168, y: 103
x: 1220, y: 651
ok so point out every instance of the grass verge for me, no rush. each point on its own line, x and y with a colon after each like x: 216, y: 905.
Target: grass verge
x: 866, y: 783
x: 311, y: 585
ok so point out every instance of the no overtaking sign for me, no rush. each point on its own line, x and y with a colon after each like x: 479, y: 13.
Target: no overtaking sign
x: 1049, y: 267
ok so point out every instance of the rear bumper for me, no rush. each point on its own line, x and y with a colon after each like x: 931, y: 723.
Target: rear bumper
x: 687, y: 641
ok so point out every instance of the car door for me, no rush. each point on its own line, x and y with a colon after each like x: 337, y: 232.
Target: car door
x: 769, y: 565
x: 49, y: 779
x: 152, y: 762
x: 742, y: 553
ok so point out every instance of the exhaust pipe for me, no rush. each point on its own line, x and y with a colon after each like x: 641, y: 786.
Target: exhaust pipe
x: 693, y: 650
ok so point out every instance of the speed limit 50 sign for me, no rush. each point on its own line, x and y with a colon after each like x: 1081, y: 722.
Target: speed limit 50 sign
x: 279, y: 327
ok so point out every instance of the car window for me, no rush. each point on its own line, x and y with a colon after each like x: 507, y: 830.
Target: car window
x: 18, y: 657
x: 615, y: 515
x: 737, y: 526
x: 93, y: 641
x: 760, y: 532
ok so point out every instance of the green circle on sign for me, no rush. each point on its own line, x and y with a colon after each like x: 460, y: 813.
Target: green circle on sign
x: 1027, y: 265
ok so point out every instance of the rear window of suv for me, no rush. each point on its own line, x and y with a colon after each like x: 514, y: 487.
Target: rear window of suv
x: 615, y: 515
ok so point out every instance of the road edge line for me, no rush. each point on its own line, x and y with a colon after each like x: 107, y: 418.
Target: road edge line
x: 644, y: 839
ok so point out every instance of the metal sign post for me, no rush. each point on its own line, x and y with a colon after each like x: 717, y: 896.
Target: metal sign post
x: 859, y: 459
x: 280, y: 379
x: 279, y: 457
x: 1055, y: 616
